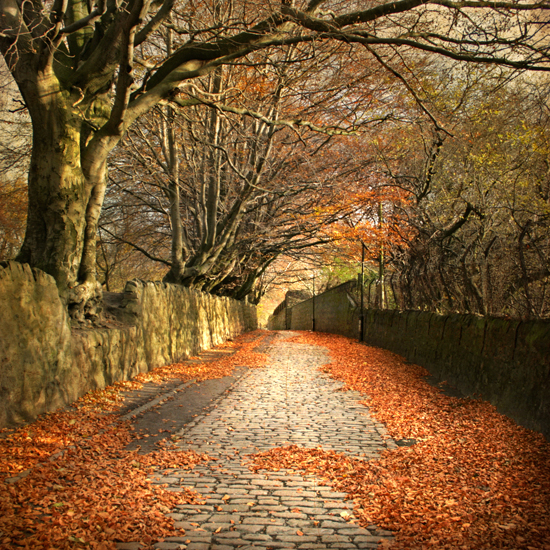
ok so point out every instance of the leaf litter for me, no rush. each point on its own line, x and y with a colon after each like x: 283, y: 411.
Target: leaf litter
x: 473, y: 479
x: 67, y: 481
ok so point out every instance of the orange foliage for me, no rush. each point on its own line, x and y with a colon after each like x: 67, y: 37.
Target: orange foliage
x: 67, y: 480
x: 474, y: 480
x: 373, y: 216
x: 92, y: 494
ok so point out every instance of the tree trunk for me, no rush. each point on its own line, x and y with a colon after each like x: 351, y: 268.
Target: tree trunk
x: 176, y: 273
x: 57, y: 200
x: 65, y: 198
x: 381, y: 270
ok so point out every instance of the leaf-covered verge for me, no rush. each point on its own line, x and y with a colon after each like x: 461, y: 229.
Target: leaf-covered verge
x: 67, y: 481
x: 474, y: 479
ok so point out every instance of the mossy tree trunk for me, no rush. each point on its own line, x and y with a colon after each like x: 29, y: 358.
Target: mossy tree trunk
x: 67, y: 179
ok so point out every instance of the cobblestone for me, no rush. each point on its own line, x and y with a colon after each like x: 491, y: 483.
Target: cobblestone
x: 289, y: 401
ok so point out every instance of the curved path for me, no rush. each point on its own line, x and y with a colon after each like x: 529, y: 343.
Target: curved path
x: 290, y: 401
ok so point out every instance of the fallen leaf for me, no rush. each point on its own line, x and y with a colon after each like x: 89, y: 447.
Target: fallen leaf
x: 462, y: 482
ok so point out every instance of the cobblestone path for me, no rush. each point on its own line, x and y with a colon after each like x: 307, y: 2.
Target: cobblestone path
x: 287, y: 402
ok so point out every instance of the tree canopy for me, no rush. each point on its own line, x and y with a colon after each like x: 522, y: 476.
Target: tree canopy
x: 87, y: 71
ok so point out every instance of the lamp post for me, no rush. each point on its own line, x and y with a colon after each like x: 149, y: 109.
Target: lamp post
x: 362, y: 285
x: 313, y: 306
x: 381, y: 290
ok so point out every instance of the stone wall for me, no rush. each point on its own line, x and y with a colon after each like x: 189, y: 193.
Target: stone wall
x: 45, y: 365
x: 281, y: 318
x: 335, y: 312
x: 277, y: 321
x: 506, y: 362
x: 35, y: 346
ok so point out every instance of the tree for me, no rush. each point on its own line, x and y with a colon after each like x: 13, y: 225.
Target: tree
x: 245, y: 194
x: 14, y: 157
x: 234, y: 185
x: 479, y: 199
x: 87, y: 71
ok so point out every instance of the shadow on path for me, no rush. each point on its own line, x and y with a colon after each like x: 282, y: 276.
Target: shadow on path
x: 160, y: 410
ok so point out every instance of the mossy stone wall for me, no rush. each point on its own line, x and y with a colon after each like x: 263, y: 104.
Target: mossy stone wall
x: 44, y: 364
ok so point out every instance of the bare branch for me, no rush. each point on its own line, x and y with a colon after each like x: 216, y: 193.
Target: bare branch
x: 290, y: 123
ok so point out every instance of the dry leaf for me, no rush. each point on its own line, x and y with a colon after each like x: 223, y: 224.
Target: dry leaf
x: 103, y: 487
x: 470, y: 475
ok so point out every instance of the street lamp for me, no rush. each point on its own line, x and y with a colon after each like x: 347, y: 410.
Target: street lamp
x: 362, y: 285
x: 313, y: 306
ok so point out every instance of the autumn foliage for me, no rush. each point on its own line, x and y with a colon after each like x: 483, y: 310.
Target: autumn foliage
x: 374, y: 215
x: 473, y: 480
x: 68, y: 481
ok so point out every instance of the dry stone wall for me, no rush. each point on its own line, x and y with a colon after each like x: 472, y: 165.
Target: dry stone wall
x: 504, y: 361
x: 277, y: 321
x: 44, y: 364
x: 35, y: 346
x: 335, y: 311
x: 282, y: 316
